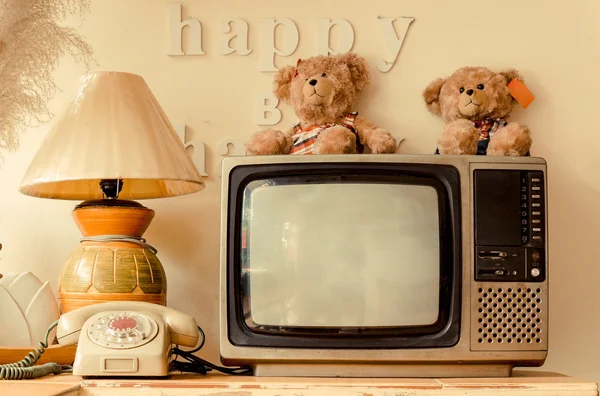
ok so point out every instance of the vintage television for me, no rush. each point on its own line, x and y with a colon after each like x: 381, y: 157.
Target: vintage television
x: 384, y: 265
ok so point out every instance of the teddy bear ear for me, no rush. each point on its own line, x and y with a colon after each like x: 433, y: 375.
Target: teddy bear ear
x: 511, y: 74
x: 283, y: 81
x: 359, y: 69
x: 431, y: 95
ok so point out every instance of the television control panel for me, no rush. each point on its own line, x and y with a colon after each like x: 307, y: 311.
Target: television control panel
x: 510, y: 225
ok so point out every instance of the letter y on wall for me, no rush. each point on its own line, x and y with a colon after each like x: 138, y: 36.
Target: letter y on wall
x: 393, y: 41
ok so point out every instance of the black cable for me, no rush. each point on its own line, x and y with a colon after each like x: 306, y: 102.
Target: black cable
x: 195, y: 364
x: 201, y: 343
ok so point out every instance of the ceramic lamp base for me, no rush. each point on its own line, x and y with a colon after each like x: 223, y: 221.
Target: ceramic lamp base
x: 108, y: 268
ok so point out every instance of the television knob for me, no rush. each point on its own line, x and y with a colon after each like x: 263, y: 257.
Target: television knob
x: 535, y: 272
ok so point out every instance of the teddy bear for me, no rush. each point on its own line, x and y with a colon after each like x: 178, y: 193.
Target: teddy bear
x: 474, y: 103
x: 322, y: 90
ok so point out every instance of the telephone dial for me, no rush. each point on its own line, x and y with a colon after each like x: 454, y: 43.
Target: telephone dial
x: 125, y: 338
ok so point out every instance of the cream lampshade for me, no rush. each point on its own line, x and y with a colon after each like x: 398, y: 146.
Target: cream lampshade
x: 112, y: 145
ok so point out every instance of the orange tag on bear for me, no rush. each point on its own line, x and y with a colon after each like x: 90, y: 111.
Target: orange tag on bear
x: 520, y: 92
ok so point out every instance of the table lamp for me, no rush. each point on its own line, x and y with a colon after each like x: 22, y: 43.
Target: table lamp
x: 112, y: 145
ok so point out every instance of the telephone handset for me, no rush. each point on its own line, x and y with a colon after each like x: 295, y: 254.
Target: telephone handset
x: 125, y: 338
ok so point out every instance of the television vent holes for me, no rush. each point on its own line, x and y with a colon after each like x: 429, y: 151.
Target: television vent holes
x: 510, y: 318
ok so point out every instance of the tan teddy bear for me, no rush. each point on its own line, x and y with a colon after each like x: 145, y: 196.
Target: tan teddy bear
x: 474, y: 103
x: 322, y: 90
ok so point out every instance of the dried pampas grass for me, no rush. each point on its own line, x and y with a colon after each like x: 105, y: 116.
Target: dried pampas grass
x: 31, y: 45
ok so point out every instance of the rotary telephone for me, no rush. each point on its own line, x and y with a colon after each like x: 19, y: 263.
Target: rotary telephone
x: 122, y: 338
x: 125, y: 338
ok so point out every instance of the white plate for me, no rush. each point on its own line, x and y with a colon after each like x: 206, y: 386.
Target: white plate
x: 7, y: 279
x: 13, y: 326
x: 40, y: 314
x: 23, y: 288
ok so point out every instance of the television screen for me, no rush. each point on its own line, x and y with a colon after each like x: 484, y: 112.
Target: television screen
x: 358, y: 255
x: 341, y: 255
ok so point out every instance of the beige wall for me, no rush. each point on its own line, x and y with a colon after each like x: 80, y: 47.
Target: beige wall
x: 555, y: 45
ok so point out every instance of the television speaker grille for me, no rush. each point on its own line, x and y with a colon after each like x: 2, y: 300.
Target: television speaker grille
x: 509, y: 316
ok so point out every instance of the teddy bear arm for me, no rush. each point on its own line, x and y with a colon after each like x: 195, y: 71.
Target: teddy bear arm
x: 513, y: 139
x: 335, y: 140
x: 269, y: 142
x: 459, y: 137
x: 377, y: 139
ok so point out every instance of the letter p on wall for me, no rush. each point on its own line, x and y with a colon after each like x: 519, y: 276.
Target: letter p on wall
x: 289, y: 45
x: 346, y: 36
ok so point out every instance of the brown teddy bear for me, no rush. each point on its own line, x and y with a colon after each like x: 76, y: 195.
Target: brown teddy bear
x: 474, y: 103
x: 322, y: 90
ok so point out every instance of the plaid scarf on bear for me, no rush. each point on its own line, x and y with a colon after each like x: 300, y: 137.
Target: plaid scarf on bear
x: 487, y: 127
x: 304, y: 139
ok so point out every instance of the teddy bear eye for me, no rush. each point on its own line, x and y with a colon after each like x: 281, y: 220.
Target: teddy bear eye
x: 461, y: 90
x: 323, y: 75
x: 480, y: 86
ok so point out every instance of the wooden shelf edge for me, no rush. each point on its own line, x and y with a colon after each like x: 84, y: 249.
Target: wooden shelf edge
x: 54, y: 353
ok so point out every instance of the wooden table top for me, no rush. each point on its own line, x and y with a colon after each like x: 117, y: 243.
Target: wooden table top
x: 531, y: 382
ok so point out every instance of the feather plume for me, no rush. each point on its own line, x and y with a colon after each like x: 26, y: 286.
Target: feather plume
x: 31, y: 45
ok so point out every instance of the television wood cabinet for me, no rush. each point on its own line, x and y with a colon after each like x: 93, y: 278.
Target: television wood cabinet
x: 533, y: 383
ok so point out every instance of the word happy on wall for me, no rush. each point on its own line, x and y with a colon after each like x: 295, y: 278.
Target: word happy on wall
x: 267, y: 112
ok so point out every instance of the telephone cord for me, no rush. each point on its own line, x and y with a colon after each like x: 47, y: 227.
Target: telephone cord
x: 120, y: 238
x: 24, y: 369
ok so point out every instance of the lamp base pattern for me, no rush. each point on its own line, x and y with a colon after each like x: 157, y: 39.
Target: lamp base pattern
x: 113, y: 271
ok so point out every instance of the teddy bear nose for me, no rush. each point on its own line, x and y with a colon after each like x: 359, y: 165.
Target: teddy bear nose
x: 313, y: 82
x: 469, y: 92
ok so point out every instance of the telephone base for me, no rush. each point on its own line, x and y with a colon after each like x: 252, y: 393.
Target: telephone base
x: 125, y: 339
x: 117, y: 343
